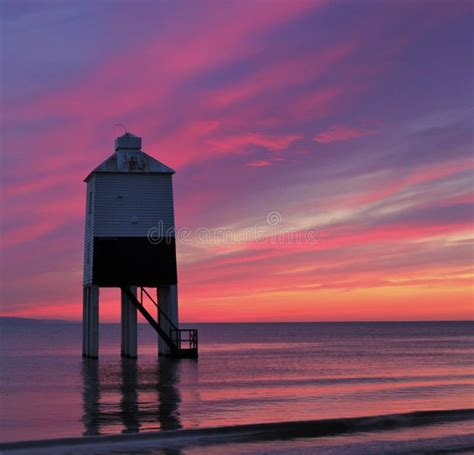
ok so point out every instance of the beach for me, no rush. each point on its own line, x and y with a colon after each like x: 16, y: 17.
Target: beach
x: 449, y: 431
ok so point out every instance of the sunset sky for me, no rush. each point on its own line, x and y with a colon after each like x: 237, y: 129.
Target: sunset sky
x: 349, y: 119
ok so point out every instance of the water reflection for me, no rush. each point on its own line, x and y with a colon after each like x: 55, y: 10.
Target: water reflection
x: 129, y: 411
x: 168, y: 394
x: 129, y: 397
x: 90, y: 396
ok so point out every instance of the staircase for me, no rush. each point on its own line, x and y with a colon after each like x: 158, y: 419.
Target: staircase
x: 183, y: 343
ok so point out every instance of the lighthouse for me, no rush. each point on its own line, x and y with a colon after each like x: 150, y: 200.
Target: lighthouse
x: 130, y: 244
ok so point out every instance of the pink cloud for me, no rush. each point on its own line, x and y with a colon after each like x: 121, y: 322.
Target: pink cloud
x: 319, y: 103
x: 417, y: 177
x: 339, y: 133
x: 258, y: 163
x: 241, y: 142
x: 284, y: 74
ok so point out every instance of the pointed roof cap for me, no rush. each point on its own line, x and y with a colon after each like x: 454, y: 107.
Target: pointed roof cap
x: 130, y: 159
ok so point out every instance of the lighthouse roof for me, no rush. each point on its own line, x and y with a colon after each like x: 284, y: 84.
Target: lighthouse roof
x: 129, y: 158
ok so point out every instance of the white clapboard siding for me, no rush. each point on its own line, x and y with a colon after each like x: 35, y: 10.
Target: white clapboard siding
x: 129, y: 205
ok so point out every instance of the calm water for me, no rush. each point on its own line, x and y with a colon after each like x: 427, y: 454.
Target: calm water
x: 246, y: 373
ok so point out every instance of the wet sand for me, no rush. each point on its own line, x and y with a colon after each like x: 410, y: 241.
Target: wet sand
x: 155, y: 442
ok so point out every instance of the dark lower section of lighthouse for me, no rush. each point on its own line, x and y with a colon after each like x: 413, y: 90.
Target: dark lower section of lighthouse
x: 134, y: 261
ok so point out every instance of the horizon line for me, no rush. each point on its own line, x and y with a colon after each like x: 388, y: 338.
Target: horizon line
x: 251, y: 322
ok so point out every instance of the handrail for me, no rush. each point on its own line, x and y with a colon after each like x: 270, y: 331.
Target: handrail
x: 143, y: 290
x: 178, y: 340
x: 173, y: 338
x: 148, y: 317
x: 161, y: 312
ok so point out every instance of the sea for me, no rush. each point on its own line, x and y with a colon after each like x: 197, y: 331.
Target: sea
x: 336, y: 388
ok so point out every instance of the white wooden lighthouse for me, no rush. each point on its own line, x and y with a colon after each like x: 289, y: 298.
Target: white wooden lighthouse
x: 130, y: 244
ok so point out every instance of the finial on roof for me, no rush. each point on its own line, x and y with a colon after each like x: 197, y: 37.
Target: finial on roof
x: 122, y: 126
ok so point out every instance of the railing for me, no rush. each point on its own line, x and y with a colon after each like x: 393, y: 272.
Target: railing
x: 161, y: 314
x: 182, y: 342
x: 182, y: 339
